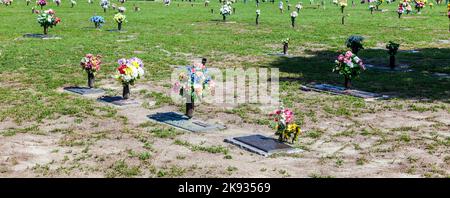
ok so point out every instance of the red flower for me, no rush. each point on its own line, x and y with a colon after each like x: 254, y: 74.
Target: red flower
x: 122, y: 69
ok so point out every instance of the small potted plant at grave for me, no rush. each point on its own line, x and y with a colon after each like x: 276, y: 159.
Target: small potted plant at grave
x: 280, y: 6
x: 349, y: 66
x: 73, y: 3
x: 121, y: 9
x: 128, y: 72
x: 98, y: 21
x: 400, y: 10
x: 285, y: 43
x: 419, y: 6
x: 343, y: 4
x: 41, y: 3
x: 286, y: 128
x: 119, y: 18
x: 58, y: 2
x: 392, y: 51
x: 104, y: 4
x: 258, y: 12
x: 194, y: 83
x: 298, y: 7
x: 294, y: 15
x: 225, y: 10
x: 378, y: 3
x: 371, y: 8
x: 91, y: 64
x: 48, y: 19
x: 355, y: 43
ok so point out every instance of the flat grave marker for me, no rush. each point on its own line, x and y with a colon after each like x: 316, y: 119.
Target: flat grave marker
x: 183, y: 122
x: 261, y: 145
x: 84, y: 90
x: 342, y: 91
x: 400, y: 68
x: 118, y: 101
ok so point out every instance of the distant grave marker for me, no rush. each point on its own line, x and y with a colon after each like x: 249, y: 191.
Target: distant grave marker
x: 261, y: 145
x: 183, y: 122
x: 84, y: 90
x: 342, y: 91
x: 118, y: 101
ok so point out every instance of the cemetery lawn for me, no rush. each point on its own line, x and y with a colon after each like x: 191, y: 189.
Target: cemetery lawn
x: 45, y: 132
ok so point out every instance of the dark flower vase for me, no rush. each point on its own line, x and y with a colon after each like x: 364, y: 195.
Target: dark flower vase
x: 347, y: 83
x: 104, y: 9
x: 126, y: 91
x: 355, y: 50
x: 119, y: 26
x: 257, y: 19
x: 45, y: 30
x: 224, y: 17
x: 392, y: 62
x: 285, y: 48
x: 293, y: 22
x: 190, y: 108
x: 91, y: 80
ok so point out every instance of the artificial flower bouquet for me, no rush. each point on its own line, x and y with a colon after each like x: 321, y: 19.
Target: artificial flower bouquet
x: 355, y: 43
x: 400, y: 10
x: 285, y: 43
x: 194, y: 83
x: 298, y: 7
x: 58, y: 2
x: 121, y: 9
x: 73, y: 3
x: 48, y: 19
x: 392, y: 51
x: 128, y: 72
x: 104, y: 4
x: 348, y: 65
x: 294, y: 15
x: 419, y: 6
x: 120, y: 18
x: 41, y: 3
x: 284, y: 124
x: 98, y: 21
x: 343, y: 4
x: 91, y: 64
x: 225, y: 10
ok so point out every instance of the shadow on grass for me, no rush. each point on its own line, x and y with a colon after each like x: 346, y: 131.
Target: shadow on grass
x: 418, y: 84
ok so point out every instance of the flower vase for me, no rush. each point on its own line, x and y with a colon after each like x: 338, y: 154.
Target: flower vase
x: 28, y: 3
x: 42, y: 7
x: 257, y: 19
x: 119, y: 26
x: 190, y: 108
x: 126, y: 91
x: 91, y: 80
x: 343, y: 20
x: 342, y: 9
x: 96, y: 25
x: 298, y: 10
x: 289, y: 7
x: 347, y: 83
x: 104, y: 9
x: 224, y: 17
x: 204, y: 61
x: 45, y: 30
x: 285, y: 48
x: 293, y: 21
x: 355, y: 50
x: 392, y: 62
x: 399, y: 15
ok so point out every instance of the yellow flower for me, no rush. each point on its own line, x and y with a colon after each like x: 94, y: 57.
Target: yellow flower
x: 292, y: 127
x: 128, y: 71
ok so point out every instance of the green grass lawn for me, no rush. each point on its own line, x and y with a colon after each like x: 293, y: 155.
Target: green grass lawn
x: 32, y: 70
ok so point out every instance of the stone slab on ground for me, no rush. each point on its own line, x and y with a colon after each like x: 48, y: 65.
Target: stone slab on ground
x: 261, y: 145
x: 342, y: 91
x: 183, y: 122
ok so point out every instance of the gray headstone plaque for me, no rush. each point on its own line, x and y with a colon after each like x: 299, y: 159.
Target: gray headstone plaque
x: 84, y: 90
x: 400, y: 68
x: 262, y: 145
x: 183, y: 122
x: 280, y: 55
x: 342, y: 91
x: 118, y: 100
x: 41, y: 36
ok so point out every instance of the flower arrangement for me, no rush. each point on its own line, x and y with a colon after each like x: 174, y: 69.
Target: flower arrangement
x: 41, y: 3
x: 378, y: 3
x: 343, y: 4
x: 128, y: 72
x: 285, y: 43
x: 225, y: 10
x: 299, y: 7
x: 104, y: 4
x: 280, y: 6
x: 28, y: 2
x: 348, y: 65
x: 91, y: 64
x: 392, y: 51
x: 400, y: 10
x: 7, y: 2
x: 294, y: 15
x: 286, y: 128
x: 58, y: 2
x: 122, y: 1
x: 258, y: 12
x: 73, y: 3
x: 98, y: 21
x: 121, y: 9
x: 48, y: 19
x: 371, y: 8
x: 448, y: 10
x: 120, y: 18
x: 419, y: 6
x: 355, y: 43
x: 193, y: 84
